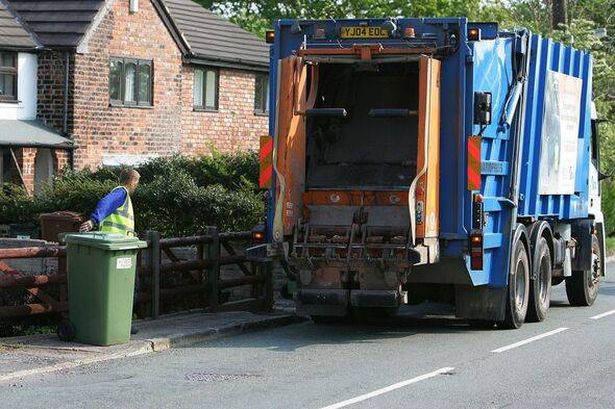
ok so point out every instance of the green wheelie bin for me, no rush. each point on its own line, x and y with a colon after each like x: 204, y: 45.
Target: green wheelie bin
x: 101, y: 278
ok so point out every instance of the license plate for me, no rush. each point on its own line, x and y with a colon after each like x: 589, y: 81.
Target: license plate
x: 364, y: 32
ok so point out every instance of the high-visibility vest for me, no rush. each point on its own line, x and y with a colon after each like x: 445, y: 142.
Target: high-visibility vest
x: 122, y: 221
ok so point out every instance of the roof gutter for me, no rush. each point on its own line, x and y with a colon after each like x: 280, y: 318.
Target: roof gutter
x: 238, y: 63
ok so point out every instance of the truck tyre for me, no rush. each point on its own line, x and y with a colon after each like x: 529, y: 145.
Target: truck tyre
x: 540, y: 286
x: 517, y: 294
x: 582, y: 288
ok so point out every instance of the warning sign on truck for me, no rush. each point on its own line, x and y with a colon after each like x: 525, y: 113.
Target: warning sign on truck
x: 560, y: 132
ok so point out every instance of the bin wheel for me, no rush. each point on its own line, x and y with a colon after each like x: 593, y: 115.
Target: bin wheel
x: 66, y: 331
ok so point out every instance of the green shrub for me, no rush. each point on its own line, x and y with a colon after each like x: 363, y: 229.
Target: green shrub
x: 178, y: 196
x: 16, y: 206
x: 608, y: 206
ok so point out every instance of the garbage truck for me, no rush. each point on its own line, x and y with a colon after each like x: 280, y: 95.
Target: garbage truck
x: 414, y: 160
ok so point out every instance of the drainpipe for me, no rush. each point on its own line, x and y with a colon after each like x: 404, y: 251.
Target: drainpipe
x: 66, y: 68
x: 71, y: 154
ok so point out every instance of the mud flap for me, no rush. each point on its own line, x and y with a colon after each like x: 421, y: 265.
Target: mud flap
x: 480, y: 303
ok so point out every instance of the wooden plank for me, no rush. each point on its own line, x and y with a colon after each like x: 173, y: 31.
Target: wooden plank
x: 32, y: 281
x: 33, y: 252
x: 31, y: 309
x: 238, y: 282
x: 230, y: 250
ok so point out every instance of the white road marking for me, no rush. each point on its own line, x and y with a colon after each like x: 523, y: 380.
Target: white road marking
x: 527, y: 341
x: 389, y: 388
x: 604, y: 314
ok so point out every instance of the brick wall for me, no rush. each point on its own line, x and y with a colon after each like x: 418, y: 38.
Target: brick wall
x: 103, y: 129
x: 233, y: 127
x: 61, y: 161
x: 171, y: 125
x: 51, y: 89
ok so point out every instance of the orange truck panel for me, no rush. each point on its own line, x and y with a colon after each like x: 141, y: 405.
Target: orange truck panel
x: 428, y: 187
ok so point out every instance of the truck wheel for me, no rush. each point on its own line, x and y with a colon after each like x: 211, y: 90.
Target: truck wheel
x: 517, y: 298
x: 582, y: 288
x: 540, y: 287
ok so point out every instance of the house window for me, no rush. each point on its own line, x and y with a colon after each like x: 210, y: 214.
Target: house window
x: 130, y: 81
x: 206, y: 84
x: 261, y: 94
x: 8, y: 76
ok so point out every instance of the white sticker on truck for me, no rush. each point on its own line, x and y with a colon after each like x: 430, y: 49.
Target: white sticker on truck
x: 123, y: 263
x: 560, y: 134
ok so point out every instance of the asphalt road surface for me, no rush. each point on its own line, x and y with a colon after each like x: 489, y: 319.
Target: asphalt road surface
x: 568, y: 361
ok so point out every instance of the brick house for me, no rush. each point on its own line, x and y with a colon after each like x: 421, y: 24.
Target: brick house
x: 27, y: 146
x: 127, y: 80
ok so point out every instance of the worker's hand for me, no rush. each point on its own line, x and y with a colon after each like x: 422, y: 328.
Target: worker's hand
x: 87, y: 226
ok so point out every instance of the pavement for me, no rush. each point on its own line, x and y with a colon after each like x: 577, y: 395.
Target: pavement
x: 567, y: 361
x: 21, y: 357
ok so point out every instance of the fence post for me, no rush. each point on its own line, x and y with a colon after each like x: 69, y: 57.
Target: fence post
x: 267, y: 274
x: 154, y: 259
x: 213, y: 273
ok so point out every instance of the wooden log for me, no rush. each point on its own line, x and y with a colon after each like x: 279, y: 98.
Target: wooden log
x: 31, y: 309
x: 33, y: 252
x: 227, y: 260
x: 184, y: 241
x: 184, y: 265
x: 238, y: 235
x: 237, y: 282
x: 31, y: 281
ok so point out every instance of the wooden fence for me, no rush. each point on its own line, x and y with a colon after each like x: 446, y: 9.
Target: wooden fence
x: 168, y: 281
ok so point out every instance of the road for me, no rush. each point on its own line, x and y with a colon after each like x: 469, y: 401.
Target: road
x: 568, y: 361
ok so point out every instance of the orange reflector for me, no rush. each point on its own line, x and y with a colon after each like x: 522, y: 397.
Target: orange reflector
x: 474, y: 34
x: 270, y: 36
x: 474, y: 163
x: 266, y: 162
x: 258, y: 236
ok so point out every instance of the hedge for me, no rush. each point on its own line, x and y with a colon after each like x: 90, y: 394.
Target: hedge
x: 177, y: 196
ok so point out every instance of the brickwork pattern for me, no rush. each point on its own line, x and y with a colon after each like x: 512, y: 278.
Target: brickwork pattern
x: 100, y: 128
x: 51, y: 89
x: 233, y: 127
x: 171, y: 125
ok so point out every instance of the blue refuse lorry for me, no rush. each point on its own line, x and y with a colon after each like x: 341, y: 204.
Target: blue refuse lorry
x: 430, y: 159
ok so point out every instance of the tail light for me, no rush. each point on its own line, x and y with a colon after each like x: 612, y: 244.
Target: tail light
x: 476, y: 250
x: 258, y: 234
x: 474, y: 34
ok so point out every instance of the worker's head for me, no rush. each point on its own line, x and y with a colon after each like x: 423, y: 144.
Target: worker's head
x: 129, y: 178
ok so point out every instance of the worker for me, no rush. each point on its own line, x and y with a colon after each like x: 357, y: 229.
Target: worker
x: 114, y: 213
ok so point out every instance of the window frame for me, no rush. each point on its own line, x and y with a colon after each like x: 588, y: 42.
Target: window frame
x: 264, y: 96
x: 203, y: 107
x: 139, y: 62
x: 14, y: 71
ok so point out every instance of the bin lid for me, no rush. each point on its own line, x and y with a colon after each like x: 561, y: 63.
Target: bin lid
x: 106, y: 241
